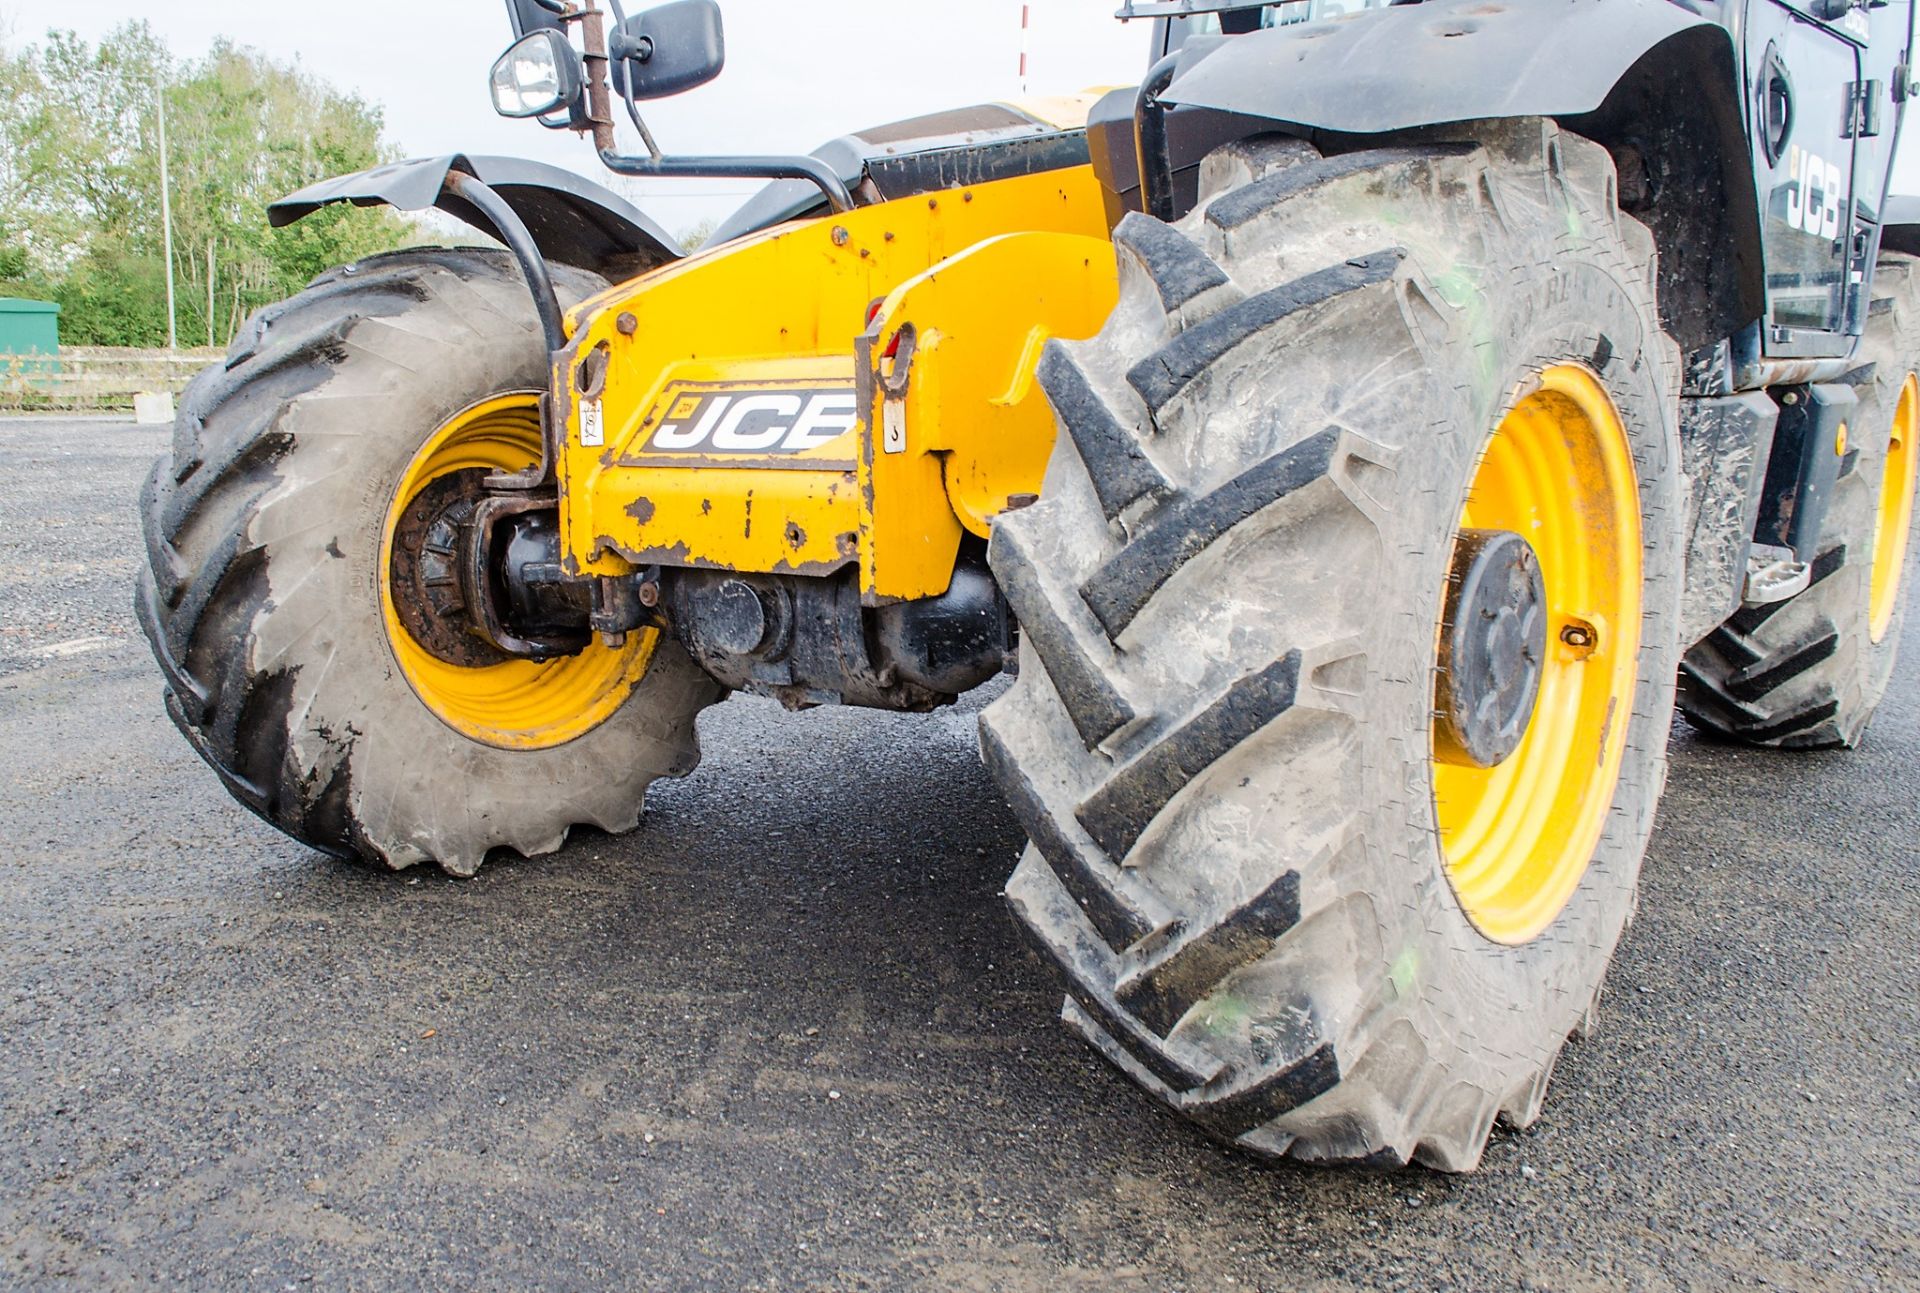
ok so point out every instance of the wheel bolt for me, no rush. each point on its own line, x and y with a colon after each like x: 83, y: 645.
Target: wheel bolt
x: 1577, y: 635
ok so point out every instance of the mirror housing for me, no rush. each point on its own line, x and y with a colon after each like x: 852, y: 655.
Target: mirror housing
x: 667, y: 49
x: 539, y: 74
x: 533, y: 15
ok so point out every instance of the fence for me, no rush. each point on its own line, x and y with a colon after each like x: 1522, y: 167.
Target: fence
x: 95, y: 378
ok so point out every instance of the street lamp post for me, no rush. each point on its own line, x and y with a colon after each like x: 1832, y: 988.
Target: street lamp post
x: 166, y: 216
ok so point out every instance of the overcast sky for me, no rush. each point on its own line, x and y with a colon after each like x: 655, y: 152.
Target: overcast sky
x: 797, y: 73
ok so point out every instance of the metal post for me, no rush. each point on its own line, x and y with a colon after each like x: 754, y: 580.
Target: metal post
x: 166, y: 215
x: 1023, y: 48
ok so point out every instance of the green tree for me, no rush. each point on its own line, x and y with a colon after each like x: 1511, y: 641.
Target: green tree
x: 80, y: 183
x: 16, y: 268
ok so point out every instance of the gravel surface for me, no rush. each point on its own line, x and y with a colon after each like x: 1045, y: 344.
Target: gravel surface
x: 786, y: 1036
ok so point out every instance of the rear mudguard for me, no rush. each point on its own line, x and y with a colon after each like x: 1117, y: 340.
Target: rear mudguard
x: 1901, y: 232
x: 1646, y: 75
x: 1448, y: 60
x: 573, y: 220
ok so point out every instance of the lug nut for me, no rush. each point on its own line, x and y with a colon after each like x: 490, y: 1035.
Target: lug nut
x: 1577, y: 635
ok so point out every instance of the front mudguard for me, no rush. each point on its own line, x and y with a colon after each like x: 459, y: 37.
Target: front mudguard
x: 572, y: 220
x: 542, y: 213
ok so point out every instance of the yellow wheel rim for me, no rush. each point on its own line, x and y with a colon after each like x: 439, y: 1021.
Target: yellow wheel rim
x: 513, y: 704
x: 1517, y: 837
x: 1895, y: 521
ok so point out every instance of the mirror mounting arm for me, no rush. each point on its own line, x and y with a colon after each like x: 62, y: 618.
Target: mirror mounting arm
x: 670, y: 48
x: 639, y: 124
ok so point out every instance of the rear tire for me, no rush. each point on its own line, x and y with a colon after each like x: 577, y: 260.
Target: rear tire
x: 262, y: 597
x: 1221, y: 740
x: 1807, y: 673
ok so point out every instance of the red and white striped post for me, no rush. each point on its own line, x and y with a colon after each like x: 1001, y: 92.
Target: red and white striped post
x: 1023, y: 47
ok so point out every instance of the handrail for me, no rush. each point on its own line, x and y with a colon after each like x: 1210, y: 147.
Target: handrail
x: 810, y: 169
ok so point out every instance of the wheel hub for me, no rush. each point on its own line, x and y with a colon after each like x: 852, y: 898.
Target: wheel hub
x: 1493, y: 645
x: 429, y: 597
x: 503, y: 699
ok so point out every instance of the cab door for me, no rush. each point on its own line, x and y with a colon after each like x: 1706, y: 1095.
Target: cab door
x: 1885, y: 74
x: 1801, y: 75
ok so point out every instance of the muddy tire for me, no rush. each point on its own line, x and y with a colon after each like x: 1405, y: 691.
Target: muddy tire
x: 1808, y: 672
x: 1220, y: 740
x: 262, y: 597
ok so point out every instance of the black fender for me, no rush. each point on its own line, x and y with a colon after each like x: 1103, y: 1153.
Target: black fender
x: 1901, y: 232
x: 1656, y: 83
x: 573, y: 220
x: 1398, y: 68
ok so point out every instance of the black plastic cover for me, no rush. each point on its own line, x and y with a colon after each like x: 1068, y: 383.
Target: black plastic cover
x: 964, y: 146
x: 1810, y: 454
x: 1901, y: 231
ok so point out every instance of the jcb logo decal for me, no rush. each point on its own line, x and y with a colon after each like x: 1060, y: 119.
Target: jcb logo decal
x: 776, y: 421
x: 1815, y: 188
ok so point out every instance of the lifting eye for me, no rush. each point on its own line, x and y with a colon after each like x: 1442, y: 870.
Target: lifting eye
x: 1776, y: 106
x: 590, y: 378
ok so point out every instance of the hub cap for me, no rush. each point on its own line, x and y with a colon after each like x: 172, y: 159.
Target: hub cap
x: 1527, y: 747
x: 500, y: 701
x: 1493, y: 643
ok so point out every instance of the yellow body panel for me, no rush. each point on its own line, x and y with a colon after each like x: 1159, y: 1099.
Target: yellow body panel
x: 971, y: 422
x: 739, y: 511
x: 724, y: 431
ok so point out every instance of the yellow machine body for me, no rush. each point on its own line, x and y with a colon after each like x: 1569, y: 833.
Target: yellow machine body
x: 852, y: 389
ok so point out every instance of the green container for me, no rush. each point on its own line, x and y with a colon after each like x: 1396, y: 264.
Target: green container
x: 29, y: 328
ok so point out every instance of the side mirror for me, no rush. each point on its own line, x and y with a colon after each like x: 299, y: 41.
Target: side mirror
x: 667, y: 49
x: 539, y: 74
x: 535, y: 15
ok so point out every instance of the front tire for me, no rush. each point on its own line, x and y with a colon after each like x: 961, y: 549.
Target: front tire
x: 271, y: 603
x: 1274, y: 902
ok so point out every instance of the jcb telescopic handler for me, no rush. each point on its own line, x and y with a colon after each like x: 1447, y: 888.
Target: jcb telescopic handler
x: 1348, y: 436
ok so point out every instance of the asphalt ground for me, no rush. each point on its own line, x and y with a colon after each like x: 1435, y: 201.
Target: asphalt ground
x: 785, y: 1035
